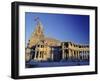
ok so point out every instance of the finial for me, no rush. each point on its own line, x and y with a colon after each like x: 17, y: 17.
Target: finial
x: 36, y: 19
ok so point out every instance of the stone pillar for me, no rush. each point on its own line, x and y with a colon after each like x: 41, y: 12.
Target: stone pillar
x: 35, y: 53
x: 39, y: 54
x: 82, y: 55
x: 63, y: 54
x: 69, y: 55
x: 78, y: 55
x: 52, y: 53
x: 85, y: 55
x: 73, y: 55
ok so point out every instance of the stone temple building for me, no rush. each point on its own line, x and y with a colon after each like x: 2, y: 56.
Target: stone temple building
x: 42, y: 48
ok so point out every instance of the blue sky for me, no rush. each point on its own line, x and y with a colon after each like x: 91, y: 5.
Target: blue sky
x: 64, y: 27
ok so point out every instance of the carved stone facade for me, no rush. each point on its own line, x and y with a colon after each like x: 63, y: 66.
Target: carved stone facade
x: 42, y: 48
x: 74, y: 51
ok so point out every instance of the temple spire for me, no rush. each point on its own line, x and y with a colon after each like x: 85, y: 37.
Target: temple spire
x: 39, y: 28
x: 38, y: 33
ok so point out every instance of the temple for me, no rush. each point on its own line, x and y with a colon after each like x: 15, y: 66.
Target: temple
x: 42, y: 48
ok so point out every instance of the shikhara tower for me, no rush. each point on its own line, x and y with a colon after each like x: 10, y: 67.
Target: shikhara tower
x: 38, y: 35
